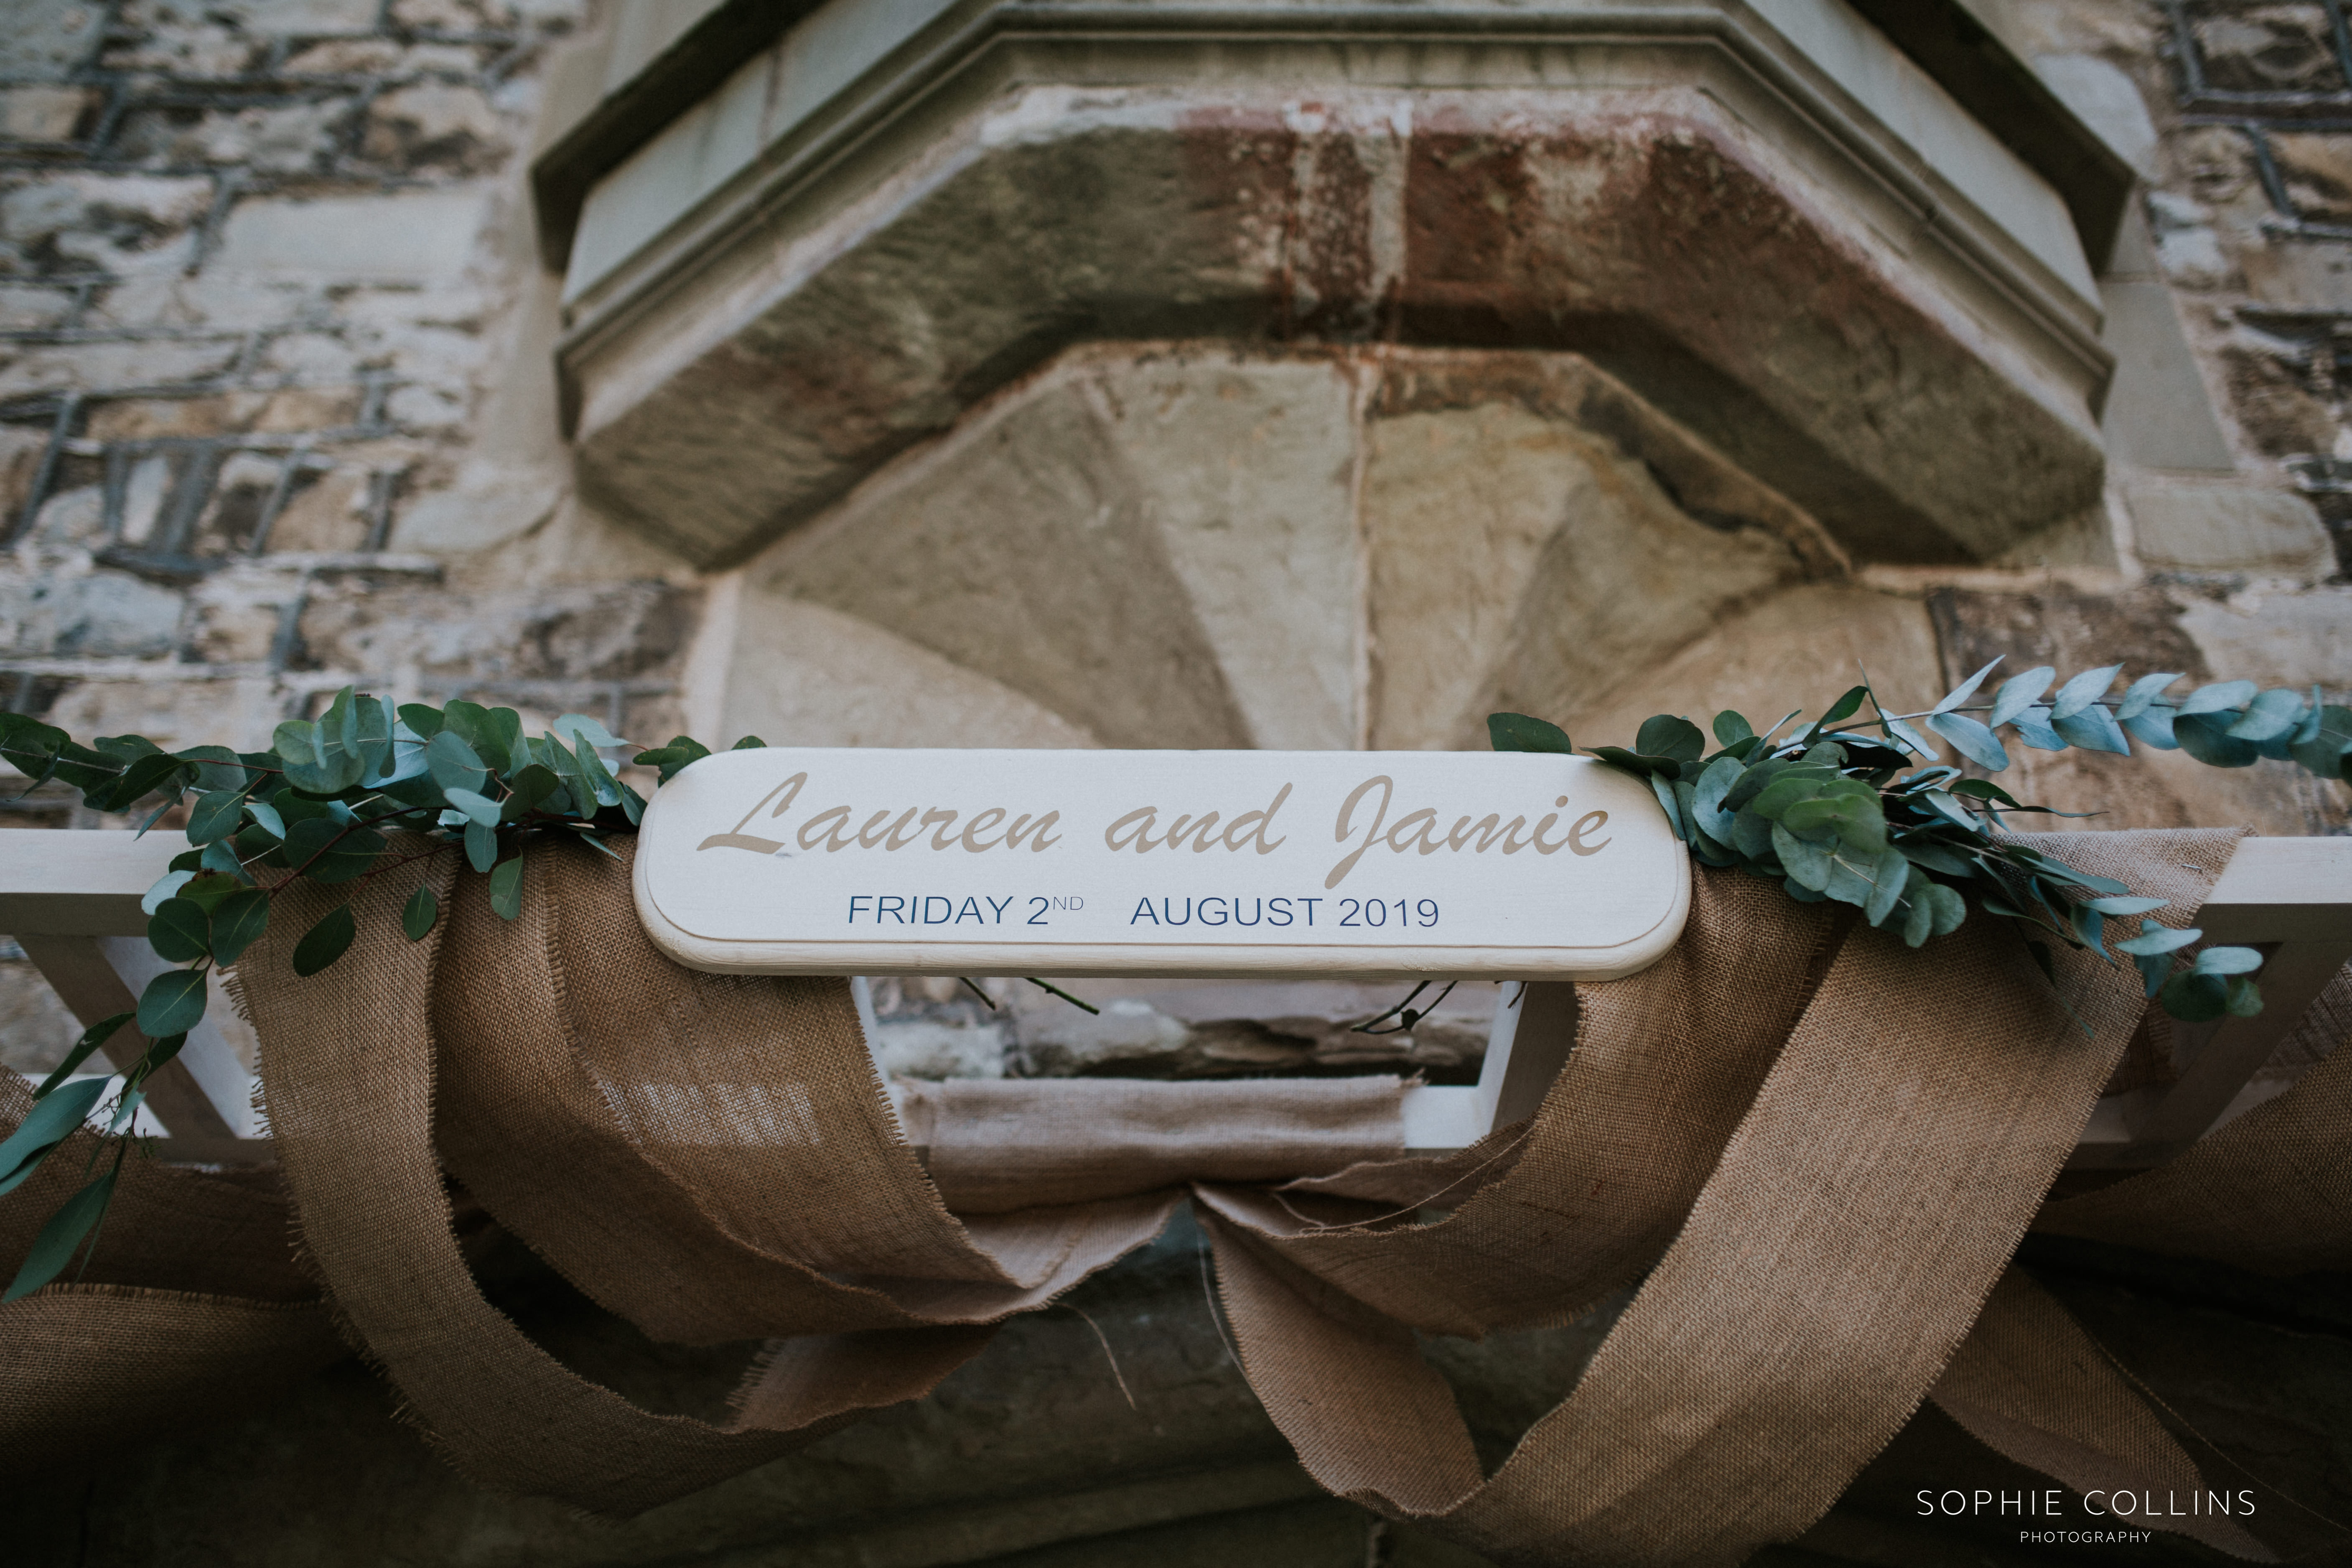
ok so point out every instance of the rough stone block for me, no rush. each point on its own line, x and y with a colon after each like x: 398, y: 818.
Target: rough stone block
x: 1804, y: 645
x: 286, y: 139
x: 1526, y: 546
x: 49, y: 37
x: 119, y: 224
x: 435, y: 127
x: 804, y: 675
x: 417, y: 238
x: 2158, y: 414
x: 2317, y: 169
x: 2229, y: 529
x: 110, y: 366
x: 90, y: 615
x: 32, y: 307
x: 301, y: 17
x: 43, y: 113
x: 175, y: 713
x: 2293, y: 640
x: 2300, y: 274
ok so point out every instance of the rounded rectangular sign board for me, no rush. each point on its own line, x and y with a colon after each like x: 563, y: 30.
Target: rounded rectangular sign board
x: 858, y: 861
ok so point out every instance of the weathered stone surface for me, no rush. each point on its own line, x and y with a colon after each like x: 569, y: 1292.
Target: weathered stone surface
x: 2272, y: 638
x: 1520, y: 561
x: 49, y: 37
x: 1062, y: 586
x: 1804, y: 646
x: 2230, y: 529
x: 418, y: 238
x: 1787, y: 336
x: 2157, y: 414
x: 43, y: 113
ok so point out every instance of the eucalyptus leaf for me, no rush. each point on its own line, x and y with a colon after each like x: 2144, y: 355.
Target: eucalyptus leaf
x: 2155, y: 938
x: 172, y: 1003
x: 2152, y: 726
x: 1808, y: 864
x: 2140, y: 693
x: 2126, y: 905
x: 1751, y: 835
x: 685, y: 749
x: 2082, y: 691
x: 1730, y: 728
x: 239, y: 923
x: 315, y: 763
x: 2219, y: 696
x: 453, y: 764
x: 2229, y: 961
x: 1960, y: 694
x: 50, y: 1123
x: 1666, y: 802
x: 2018, y: 693
x: 506, y: 889
x: 215, y: 816
x: 1844, y: 708
x: 2206, y: 738
x: 325, y: 942
x: 2094, y: 730
x: 1971, y: 739
x: 265, y: 816
x: 167, y: 886
x: 1706, y: 798
x: 1934, y: 857
x: 1854, y: 815
x: 1888, y: 878
x: 2034, y: 728
x: 1912, y: 738
x: 180, y: 930
x: 478, y: 808
x: 2273, y: 714
x: 2245, y: 998
x: 419, y: 915
x: 579, y: 729
x: 92, y: 1039
x: 481, y: 846
x: 2326, y: 747
x: 602, y: 786
x: 59, y: 1240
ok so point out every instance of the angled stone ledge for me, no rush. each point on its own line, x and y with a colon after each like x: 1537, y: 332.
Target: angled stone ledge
x: 1649, y: 231
x: 1907, y: 348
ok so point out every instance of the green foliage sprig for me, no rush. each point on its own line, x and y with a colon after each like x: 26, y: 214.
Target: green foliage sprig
x: 323, y: 805
x: 1829, y: 811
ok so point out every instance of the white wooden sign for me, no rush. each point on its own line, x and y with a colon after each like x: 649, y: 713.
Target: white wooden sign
x: 861, y: 861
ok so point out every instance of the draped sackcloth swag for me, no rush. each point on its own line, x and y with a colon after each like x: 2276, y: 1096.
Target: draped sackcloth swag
x: 1814, y: 1150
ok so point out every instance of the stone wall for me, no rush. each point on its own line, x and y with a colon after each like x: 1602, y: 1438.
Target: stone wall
x: 279, y: 412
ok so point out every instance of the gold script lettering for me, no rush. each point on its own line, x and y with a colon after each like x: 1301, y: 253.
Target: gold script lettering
x: 1590, y: 822
x: 739, y: 839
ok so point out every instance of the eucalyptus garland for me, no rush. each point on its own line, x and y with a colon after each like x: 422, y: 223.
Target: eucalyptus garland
x: 1826, y: 809
x: 1830, y: 812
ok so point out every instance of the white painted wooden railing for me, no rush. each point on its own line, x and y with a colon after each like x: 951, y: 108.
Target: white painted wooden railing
x: 72, y: 900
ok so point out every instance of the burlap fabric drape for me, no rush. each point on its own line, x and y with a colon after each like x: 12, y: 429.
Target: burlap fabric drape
x: 1814, y: 1152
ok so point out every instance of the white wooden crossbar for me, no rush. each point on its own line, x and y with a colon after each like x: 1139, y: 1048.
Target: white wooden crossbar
x: 72, y: 900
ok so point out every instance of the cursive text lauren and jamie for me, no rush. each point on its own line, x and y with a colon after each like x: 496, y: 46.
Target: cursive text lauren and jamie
x: 1363, y: 818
